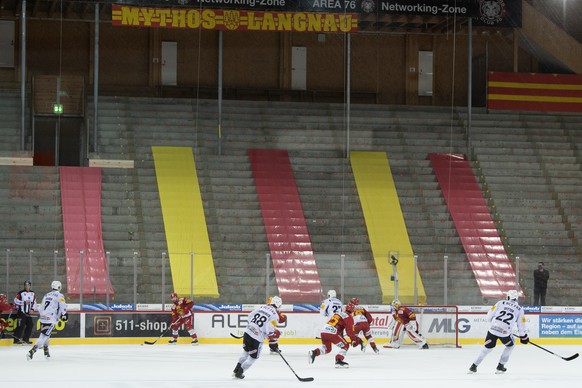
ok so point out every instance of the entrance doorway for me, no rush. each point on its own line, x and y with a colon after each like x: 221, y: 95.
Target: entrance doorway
x: 169, y: 63
x: 58, y: 141
x: 299, y: 68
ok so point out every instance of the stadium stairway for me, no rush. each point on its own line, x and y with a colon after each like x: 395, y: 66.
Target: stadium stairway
x: 528, y: 167
x: 408, y: 136
x: 314, y: 146
x: 481, y: 241
x: 289, y: 240
x: 32, y: 228
x: 86, y: 263
x: 314, y: 135
x: 10, y: 123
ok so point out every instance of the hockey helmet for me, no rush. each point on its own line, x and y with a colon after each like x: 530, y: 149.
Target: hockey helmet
x: 174, y: 296
x: 56, y: 285
x: 276, y: 301
x: 396, y: 304
x: 355, y: 301
x: 331, y: 294
x: 350, y: 308
x: 512, y: 295
x: 27, y: 283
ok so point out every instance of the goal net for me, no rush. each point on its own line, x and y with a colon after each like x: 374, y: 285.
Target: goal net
x: 438, y: 324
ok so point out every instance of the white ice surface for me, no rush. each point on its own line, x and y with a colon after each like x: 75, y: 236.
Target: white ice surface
x: 163, y: 365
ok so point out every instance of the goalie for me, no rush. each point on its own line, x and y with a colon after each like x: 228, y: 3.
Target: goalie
x: 405, y: 323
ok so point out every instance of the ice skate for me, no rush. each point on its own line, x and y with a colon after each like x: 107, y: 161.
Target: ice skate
x: 238, y: 372
x: 500, y: 369
x: 472, y: 369
x: 375, y: 349
x: 30, y: 354
x: 311, y: 354
x: 173, y: 341
x: 195, y: 341
x: 425, y: 346
x: 341, y: 364
x: 47, y: 355
x: 363, y: 346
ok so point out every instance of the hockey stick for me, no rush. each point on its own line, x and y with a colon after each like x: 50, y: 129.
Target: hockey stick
x: 161, y: 335
x: 235, y: 336
x: 572, y: 357
x: 302, y: 379
x: 20, y: 341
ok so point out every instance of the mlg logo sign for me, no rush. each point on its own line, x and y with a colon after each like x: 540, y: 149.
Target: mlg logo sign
x: 447, y: 325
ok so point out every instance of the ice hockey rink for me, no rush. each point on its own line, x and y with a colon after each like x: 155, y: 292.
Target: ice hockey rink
x: 163, y: 365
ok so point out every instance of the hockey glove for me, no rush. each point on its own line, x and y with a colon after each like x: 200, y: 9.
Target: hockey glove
x: 356, y: 341
x: 282, y: 318
x: 275, y: 336
x: 65, y: 317
x: 524, y: 339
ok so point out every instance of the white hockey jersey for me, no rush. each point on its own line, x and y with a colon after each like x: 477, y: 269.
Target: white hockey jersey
x: 503, y: 316
x: 330, y: 306
x: 260, y: 322
x: 25, y: 301
x: 52, y: 307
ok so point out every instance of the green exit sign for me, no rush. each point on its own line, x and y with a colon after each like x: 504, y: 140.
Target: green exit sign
x: 58, y: 109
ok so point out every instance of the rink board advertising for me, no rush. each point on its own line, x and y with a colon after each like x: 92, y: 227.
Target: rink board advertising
x: 560, y: 326
x: 303, y: 325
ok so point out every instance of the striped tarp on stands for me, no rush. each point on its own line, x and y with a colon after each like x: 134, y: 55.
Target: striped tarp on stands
x: 81, y: 208
x: 534, y: 92
x: 385, y: 225
x: 184, y: 222
x: 475, y: 226
x: 289, y: 241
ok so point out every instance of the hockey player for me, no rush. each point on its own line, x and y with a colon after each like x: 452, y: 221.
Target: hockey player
x: 274, y: 338
x: 362, y: 321
x: 52, y: 308
x: 260, y: 326
x: 25, y: 303
x: 502, y: 317
x: 4, y: 308
x: 333, y: 334
x: 4, y: 305
x: 331, y: 305
x: 182, y: 314
x: 405, y: 323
